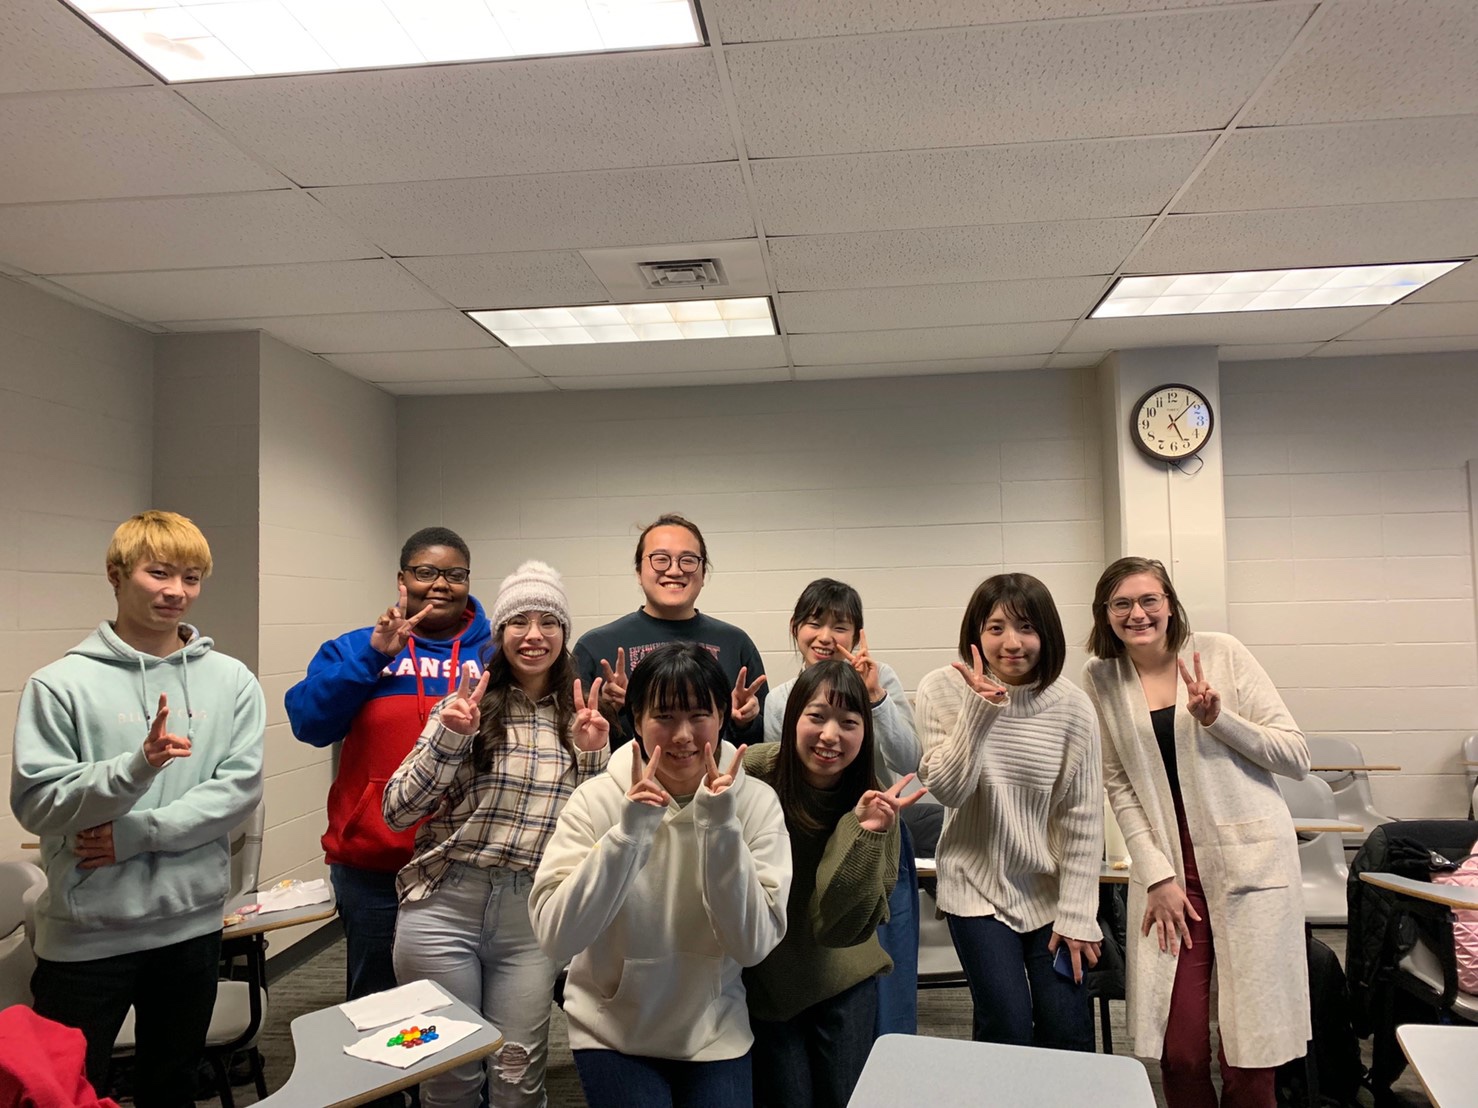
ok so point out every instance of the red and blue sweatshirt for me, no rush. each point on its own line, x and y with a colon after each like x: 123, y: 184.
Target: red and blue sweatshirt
x: 377, y: 705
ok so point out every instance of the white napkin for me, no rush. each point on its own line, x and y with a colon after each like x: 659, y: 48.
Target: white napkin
x: 297, y: 895
x: 374, y: 1048
x: 381, y: 1009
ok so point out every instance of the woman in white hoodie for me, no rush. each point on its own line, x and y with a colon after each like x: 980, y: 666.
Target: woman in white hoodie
x: 662, y: 881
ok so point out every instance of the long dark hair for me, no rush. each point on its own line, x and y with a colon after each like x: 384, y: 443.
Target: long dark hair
x: 1102, y: 642
x: 1022, y: 597
x: 679, y: 676
x: 845, y: 690
x: 492, y: 731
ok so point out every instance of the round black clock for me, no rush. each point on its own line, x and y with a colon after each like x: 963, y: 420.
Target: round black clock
x: 1171, y: 422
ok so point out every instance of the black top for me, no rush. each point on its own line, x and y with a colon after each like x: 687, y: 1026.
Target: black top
x: 1163, y: 720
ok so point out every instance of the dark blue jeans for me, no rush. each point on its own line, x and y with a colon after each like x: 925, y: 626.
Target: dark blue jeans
x: 614, y: 1080
x: 898, y: 992
x: 815, y: 1058
x: 367, y: 907
x: 1019, y: 998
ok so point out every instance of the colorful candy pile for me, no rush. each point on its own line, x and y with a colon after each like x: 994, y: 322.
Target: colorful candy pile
x: 414, y: 1036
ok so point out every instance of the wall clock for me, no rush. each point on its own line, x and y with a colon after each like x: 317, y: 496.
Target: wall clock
x: 1171, y: 423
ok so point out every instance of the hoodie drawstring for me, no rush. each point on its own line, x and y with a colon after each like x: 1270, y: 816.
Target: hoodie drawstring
x: 151, y: 710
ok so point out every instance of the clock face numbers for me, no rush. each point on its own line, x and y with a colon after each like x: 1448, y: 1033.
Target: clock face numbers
x: 1172, y: 422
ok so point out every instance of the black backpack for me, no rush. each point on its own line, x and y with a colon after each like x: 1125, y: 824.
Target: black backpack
x: 1334, y: 1048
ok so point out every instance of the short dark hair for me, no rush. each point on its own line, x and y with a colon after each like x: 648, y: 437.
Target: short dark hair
x: 827, y: 597
x: 672, y: 519
x: 433, y: 536
x: 1023, y: 597
x: 1102, y: 642
x: 845, y: 690
x: 679, y: 676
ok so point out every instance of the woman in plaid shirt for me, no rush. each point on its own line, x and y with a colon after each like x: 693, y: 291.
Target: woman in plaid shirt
x: 485, y: 782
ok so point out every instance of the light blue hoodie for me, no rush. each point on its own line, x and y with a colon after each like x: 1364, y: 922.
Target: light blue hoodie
x: 79, y: 763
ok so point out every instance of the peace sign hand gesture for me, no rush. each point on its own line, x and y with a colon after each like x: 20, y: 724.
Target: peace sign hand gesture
x: 592, y: 730
x: 463, y: 713
x: 717, y: 782
x: 613, y: 695
x: 645, y: 788
x: 1202, y: 701
x: 975, y: 677
x: 878, y: 810
x: 744, y: 701
x: 392, y: 630
x: 161, y: 747
x: 866, y: 668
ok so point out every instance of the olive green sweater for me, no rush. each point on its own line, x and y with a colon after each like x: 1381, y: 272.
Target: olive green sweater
x: 843, y: 876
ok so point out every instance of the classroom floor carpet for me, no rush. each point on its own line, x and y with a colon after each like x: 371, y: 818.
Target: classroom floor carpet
x: 945, y: 1013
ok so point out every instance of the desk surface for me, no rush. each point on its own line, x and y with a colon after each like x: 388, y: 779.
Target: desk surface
x: 1445, y: 1059
x: 258, y: 923
x: 325, y: 1077
x: 912, y: 1069
x: 1454, y: 896
x: 1318, y: 826
x: 1353, y: 767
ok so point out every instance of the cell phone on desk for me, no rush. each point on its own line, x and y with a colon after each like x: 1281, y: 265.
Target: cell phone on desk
x: 1062, y: 962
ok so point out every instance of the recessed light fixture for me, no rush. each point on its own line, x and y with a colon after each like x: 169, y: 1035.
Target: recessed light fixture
x: 649, y: 322
x: 198, y: 40
x: 1266, y: 290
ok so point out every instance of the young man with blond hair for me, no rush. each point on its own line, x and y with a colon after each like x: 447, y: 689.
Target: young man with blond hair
x: 135, y: 756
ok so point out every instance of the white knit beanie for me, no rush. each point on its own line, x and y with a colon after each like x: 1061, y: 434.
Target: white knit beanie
x: 532, y: 587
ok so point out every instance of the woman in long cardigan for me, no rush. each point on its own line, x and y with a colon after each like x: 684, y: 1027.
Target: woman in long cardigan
x: 1193, y: 733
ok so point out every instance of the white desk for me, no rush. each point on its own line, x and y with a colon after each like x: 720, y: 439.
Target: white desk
x: 945, y: 1073
x: 1454, y: 896
x: 1304, y: 826
x: 325, y: 1077
x: 1445, y: 1060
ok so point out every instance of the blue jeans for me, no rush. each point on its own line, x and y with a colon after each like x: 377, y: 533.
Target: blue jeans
x: 367, y: 907
x: 473, y: 937
x: 816, y: 1057
x: 1019, y: 998
x: 898, y: 992
x: 614, y: 1080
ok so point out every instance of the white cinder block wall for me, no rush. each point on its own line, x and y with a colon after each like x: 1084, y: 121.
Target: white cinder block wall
x: 76, y: 451
x: 912, y: 491
x: 1350, y: 568
x: 328, y: 552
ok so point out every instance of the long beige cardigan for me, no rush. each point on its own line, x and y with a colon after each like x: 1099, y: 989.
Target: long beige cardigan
x: 1246, y: 850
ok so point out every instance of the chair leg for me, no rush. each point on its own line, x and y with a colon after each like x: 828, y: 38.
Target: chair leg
x: 258, y: 1073
x: 223, y: 1079
x: 1105, y: 1028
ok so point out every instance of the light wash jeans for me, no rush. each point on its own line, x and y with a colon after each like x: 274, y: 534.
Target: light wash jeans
x: 472, y: 936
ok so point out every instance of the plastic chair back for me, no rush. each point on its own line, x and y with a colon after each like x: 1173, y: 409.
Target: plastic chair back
x: 1321, y: 857
x: 1352, y: 798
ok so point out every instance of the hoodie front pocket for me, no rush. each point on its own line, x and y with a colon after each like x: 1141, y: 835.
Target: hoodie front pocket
x: 153, y: 886
x: 669, y: 1000
x: 366, y: 829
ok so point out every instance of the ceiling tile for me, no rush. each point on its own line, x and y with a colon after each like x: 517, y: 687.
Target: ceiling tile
x: 766, y: 20
x: 1410, y: 321
x: 918, y: 369
x: 358, y: 333
x: 480, y: 119
x: 939, y: 305
x: 1460, y: 284
x: 1373, y: 59
x: 1265, y: 352
x: 993, y: 184
x: 433, y: 365
x: 465, y: 388
x: 1021, y: 83
x: 672, y: 380
x: 1427, y: 230
x: 946, y: 255
x: 1399, y: 346
x: 174, y: 233
x: 46, y: 46
x: 525, y: 280
x: 683, y: 356
x: 127, y: 142
x: 1340, y: 163
x: 319, y: 287
x: 1232, y: 328
x: 686, y: 203
x: 929, y: 343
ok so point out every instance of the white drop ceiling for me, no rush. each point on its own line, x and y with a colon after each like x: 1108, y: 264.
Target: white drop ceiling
x: 932, y: 187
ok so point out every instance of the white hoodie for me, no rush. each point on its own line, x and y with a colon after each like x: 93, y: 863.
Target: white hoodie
x: 661, y: 909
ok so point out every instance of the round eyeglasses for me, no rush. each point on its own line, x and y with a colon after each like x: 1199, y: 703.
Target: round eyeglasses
x: 457, y: 575
x: 1149, y: 604
x: 661, y: 562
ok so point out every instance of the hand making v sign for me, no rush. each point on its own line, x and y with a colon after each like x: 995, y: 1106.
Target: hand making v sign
x: 613, y: 695
x: 592, y: 730
x: 392, y: 630
x: 462, y: 714
x: 866, y: 668
x: 645, y: 788
x: 974, y: 675
x: 745, y: 701
x: 1202, y: 701
x: 877, y: 810
x: 717, y: 782
x: 161, y: 747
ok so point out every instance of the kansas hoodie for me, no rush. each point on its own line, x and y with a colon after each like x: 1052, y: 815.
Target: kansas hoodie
x: 79, y: 763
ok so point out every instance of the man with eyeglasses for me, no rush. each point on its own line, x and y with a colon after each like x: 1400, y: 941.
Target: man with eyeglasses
x: 373, y: 689
x: 671, y: 566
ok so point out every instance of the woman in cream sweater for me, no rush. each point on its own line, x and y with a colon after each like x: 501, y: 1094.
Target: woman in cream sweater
x: 1193, y: 732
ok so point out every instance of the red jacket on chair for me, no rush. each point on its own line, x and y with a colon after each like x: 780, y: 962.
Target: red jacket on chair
x: 41, y: 1064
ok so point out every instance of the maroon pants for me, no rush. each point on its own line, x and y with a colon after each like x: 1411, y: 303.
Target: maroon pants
x: 1185, y: 1065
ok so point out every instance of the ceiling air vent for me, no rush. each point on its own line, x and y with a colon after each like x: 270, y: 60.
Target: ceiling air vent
x: 699, y: 273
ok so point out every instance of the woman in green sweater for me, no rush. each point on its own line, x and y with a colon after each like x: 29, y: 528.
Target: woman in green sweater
x: 813, y: 1000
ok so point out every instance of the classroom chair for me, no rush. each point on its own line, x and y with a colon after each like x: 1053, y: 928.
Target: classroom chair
x: 20, y: 883
x: 1321, y: 857
x: 1352, y: 800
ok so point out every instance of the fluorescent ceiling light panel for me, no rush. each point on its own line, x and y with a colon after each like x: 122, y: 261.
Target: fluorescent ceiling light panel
x: 199, y: 40
x: 1267, y: 290
x: 647, y: 322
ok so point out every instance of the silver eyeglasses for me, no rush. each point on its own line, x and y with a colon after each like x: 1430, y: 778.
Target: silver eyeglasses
x: 1149, y: 603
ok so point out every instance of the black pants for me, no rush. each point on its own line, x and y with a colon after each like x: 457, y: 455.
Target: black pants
x: 816, y: 1058
x: 172, y: 990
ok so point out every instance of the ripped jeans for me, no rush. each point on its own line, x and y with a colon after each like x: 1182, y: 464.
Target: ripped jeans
x: 472, y: 936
